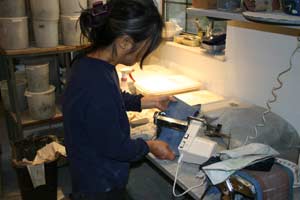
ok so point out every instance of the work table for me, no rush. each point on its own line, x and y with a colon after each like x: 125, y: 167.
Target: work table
x: 187, y: 177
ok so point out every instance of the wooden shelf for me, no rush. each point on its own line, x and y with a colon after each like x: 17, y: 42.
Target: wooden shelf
x: 28, y: 121
x: 35, y: 50
x: 239, y: 16
x: 216, y: 14
x: 221, y: 56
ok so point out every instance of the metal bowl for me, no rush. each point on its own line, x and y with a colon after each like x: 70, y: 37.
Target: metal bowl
x: 213, y: 49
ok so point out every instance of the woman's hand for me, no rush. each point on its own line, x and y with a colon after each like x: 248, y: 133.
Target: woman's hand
x: 160, y: 102
x: 160, y: 149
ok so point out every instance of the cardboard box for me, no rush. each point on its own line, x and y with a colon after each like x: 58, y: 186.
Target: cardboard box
x: 206, y: 4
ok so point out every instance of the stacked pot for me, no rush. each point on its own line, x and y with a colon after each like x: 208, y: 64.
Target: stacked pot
x: 70, y: 11
x: 45, y: 16
x: 13, y: 25
x: 40, y: 94
x: 20, y: 98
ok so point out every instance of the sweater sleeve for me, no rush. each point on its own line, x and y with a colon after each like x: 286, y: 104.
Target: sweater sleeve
x: 104, y: 130
x: 132, y: 102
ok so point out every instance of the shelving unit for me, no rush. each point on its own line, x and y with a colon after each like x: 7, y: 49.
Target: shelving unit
x: 221, y: 56
x: 237, y: 16
x: 42, y: 51
x: 27, y: 121
x: 17, y: 121
x: 215, y: 13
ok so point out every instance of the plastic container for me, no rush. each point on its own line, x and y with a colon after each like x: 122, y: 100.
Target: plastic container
x: 15, y: 8
x: 229, y: 5
x: 45, y: 9
x: 38, y: 77
x: 27, y: 148
x: 45, y: 33
x: 291, y: 7
x: 41, y: 104
x: 21, y: 99
x: 14, y: 33
x: 72, y: 7
x: 70, y: 30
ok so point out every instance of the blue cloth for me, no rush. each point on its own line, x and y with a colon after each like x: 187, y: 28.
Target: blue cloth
x: 259, y: 188
x: 97, y: 131
x: 177, y: 110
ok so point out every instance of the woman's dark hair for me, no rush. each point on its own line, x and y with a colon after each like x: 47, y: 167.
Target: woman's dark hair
x: 138, y: 19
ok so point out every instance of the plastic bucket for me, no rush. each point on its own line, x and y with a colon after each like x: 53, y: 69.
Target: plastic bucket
x: 41, y: 104
x: 45, y: 33
x: 45, y: 9
x: 21, y: 99
x: 70, y: 30
x: 14, y: 33
x: 38, y: 77
x: 72, y: 7
x: 15, y: 8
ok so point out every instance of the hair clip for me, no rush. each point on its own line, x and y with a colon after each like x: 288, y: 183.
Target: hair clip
x: 100, y: 9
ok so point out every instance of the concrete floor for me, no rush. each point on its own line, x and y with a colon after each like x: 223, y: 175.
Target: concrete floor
x: 145, y: 182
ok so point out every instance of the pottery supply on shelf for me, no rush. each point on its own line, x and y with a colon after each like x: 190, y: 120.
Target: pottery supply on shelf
x: 38, y: 77
x: 20, y: 100
x: 188, y: 40
x: 229, y: 5
x: 205, y: 4
x: 41, y: 104
x: 171, y: 28
x: 70, y: 30
x: 291, y: 7
x: 14, y: 33
x: 15, y: 8
x: 45, y: 33
x: 258, y: 5
x: 72, y: 7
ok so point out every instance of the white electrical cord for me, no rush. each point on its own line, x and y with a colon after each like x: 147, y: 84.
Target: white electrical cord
x: 270, y: 101
x: 175, y: 180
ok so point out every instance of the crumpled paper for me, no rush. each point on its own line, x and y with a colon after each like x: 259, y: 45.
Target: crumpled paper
x: 36, y: 168
x: 47, y: 154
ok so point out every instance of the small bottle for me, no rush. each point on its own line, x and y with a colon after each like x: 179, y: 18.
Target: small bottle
x: 124, y: 84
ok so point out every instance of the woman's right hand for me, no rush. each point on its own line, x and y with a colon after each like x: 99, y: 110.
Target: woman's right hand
x: 160, y: 149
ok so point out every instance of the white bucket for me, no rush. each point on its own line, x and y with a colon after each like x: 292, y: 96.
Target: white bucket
x: 91, y: 2
x: 45, y: 9
x: 14, y: 33
x: 21, y: 100
x: 41, y: 104
x: 72, y: 7
x: 70, y: 30
x: 15, y: 8
x: 45, y: 33
x: 37, y: 77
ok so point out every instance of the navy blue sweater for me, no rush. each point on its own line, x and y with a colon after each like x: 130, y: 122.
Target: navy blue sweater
x: 97, y: 131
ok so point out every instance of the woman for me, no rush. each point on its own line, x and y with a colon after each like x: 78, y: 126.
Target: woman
x: 97, y: 132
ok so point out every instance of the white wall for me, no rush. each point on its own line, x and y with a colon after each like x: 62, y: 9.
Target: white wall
x: 254, y: 59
